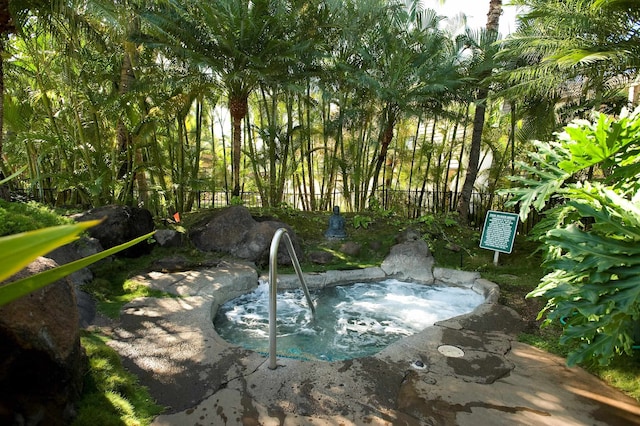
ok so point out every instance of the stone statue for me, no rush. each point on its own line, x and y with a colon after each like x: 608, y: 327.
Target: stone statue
x: 336, y: 225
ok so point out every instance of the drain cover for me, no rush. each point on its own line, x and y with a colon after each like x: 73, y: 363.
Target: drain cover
x: 451, y: 351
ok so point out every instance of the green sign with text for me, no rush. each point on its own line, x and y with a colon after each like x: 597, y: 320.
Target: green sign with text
x: 499, y: 231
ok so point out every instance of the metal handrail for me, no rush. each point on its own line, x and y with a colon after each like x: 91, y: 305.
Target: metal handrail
x: 273, y: 287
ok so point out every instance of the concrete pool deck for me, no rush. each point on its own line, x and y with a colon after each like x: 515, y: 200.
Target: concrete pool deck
x: 171, y: 345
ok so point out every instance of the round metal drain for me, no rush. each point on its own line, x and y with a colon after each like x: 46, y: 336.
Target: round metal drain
x: 451, y: 351
x: 418, y: 365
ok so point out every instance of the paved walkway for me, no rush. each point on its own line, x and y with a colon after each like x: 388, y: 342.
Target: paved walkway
x: 171, y: 345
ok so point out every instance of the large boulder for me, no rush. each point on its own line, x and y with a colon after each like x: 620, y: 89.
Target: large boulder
x: 234, y: 231
x: 223, y: 230
x: 168, y: 238
x: 120, y: 224
x: 41, y: 361
x: 411, y: 260
x: 77, y: 250
x: 257, y: 243
x: 74, y: 251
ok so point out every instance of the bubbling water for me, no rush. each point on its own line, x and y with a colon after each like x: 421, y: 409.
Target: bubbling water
x: 352, y: 320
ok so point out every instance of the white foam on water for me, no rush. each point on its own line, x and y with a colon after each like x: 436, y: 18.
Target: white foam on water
x: 352, y: 320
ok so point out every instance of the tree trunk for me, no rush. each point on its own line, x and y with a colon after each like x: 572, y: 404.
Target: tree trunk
x: 6, y: 28
x: 474, y: 158
x: 493, y: 20
x: 123, y: 136
x: 385, y: 141
x: 238, y: 106
x: 309, y: 151
x: 4, y: 189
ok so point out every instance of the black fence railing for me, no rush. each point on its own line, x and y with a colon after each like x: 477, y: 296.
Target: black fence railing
x: 407, y: 203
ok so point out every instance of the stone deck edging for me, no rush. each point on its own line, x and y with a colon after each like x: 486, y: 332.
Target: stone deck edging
x: 171, y: 344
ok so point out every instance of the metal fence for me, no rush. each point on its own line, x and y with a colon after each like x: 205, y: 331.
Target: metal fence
x: 411, y: 204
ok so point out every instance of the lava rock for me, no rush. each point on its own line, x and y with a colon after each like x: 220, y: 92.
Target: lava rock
x: 234, y: 231
x: 75, y: 251
x: 120, y: 224
x: 350, y: 248
x: 223, y: 229
x: 168, y: 238
x: 411, y: 260
x: 41, y: 361
x: 408, y: 234
x: 321, y: 257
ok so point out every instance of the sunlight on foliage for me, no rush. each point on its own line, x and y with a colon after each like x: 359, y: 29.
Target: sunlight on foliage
x: 586, y: 183
x: 112, y: 395
x: 23, y: 217
x: 361, y: 221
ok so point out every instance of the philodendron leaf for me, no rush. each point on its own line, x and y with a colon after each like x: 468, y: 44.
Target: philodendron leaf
x: 19, y: 288
x: 19, y: 250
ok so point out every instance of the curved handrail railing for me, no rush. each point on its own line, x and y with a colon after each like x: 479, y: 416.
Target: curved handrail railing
x: 273, y: 287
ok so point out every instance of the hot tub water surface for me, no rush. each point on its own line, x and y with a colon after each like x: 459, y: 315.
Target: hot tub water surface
x: 352, y: 320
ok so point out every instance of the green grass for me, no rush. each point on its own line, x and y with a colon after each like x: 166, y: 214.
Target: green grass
x: 113, y: 286
x: 111, y: 300
x: 623, y: 373
x: 111, y: 396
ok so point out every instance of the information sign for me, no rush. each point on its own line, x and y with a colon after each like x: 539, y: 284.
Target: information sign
x: 499, y: 231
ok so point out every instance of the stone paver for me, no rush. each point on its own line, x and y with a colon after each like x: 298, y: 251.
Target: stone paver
x: 170, y: 343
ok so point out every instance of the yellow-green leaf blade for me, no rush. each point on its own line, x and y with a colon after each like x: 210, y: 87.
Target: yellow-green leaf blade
x: 19, y: 250
x: 24, y: 286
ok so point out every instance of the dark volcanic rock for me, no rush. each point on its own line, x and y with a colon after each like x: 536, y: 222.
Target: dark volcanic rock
x: 41, y: 361
x: 321, y: 257
x: 408, y: 234
x: 121, y: 224
x: 168, y: 238
x: 224, y: 229
x: 233, y: 230
x: 350, y: 248
x: 69, y: 253
x: 74, y: 251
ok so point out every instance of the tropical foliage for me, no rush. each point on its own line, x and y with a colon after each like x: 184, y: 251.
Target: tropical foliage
x: 369, y: 104
x: 586, y: 180
x: 268, y: 97
x: 578, y: 54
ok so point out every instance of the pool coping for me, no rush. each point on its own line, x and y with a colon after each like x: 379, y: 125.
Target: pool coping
x: 172, y: 346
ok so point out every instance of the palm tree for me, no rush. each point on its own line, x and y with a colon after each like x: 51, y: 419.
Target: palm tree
x: 235, y: 42
x: 415, y: 68
x: 580, y: 54
x: 482, y: 93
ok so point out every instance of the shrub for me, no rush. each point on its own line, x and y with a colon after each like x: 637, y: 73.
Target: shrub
x: 592, y: 235
x: 22, y: 217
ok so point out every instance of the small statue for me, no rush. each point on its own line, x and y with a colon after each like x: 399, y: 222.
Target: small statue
x: 336, y: 225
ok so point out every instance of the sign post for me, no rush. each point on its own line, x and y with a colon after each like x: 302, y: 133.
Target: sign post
x: 499, y: 232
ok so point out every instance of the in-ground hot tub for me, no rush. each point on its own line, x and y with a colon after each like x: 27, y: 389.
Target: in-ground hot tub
x: 353, y: 320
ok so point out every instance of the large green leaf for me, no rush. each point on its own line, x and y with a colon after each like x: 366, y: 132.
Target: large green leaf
x: 592, y: 239
x: 19, y: 288
x: 19, y: 250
